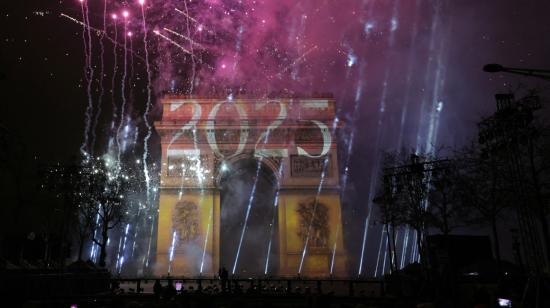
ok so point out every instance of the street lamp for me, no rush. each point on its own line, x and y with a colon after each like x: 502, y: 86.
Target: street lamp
x: 538, y: 73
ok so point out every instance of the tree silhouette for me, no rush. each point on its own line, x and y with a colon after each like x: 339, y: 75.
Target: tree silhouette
x: 483, y: 190
x: 94, y: 192
x: 107, y: 192
x: 404, y: 196
x: 391, y: 212
x: 513, y: 140
x: 446, y: 211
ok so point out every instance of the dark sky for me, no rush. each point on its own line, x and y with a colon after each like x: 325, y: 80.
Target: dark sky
x: 43, y: 95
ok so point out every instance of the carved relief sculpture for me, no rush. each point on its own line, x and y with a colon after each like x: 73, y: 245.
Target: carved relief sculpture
x: 313, y: 223
x: 186, y: 221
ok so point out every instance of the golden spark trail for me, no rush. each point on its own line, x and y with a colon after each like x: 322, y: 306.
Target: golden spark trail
x: 98, y: 33
x: 185, y: 37
x: 186, y: 15
x: 297, y: 61
x: 173, y: 42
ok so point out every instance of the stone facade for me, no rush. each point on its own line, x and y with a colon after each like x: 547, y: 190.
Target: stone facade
x: 294, y: 138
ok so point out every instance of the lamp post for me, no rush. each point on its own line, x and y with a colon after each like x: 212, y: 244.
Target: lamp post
x: 537, y: 73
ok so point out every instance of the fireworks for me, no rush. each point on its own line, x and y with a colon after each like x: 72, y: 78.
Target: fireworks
x: 230, y: 48
x: 172, y: 42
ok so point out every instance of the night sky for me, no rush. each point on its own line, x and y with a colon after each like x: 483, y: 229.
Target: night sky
x: 392, y: 66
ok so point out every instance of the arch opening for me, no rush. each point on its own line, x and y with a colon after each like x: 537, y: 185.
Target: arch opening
x: 249, y: 185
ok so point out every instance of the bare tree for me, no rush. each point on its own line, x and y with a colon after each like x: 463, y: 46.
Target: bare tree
x: 537, y: 145
x: 95, y: 194
x: 389, y: 207
x: 409, y: 180
x: 413, y: 186
x: 67, y: 183
x: 107, y: 192
x: 512, y: 139
x: 483, y: 190
x: 86, y: 209
x: 446, y: 212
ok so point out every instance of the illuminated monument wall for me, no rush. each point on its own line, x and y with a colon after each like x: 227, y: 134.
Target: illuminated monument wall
x: 283, y: 153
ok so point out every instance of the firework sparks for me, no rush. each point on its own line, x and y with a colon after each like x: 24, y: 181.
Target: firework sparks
x: 187, y: 16
x: 236, y: 48
x: 172, y: 42
x: 125, y: 14
x: 186, y: 38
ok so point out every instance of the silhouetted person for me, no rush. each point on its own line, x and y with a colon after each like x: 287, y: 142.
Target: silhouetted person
x: 157, y: 289
x: 224, y: 276
x: 238, y: 288
x: 115, y: 287
x: 170, y: 291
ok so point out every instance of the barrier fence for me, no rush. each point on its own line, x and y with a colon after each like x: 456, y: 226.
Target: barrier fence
x: 274, y: 286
